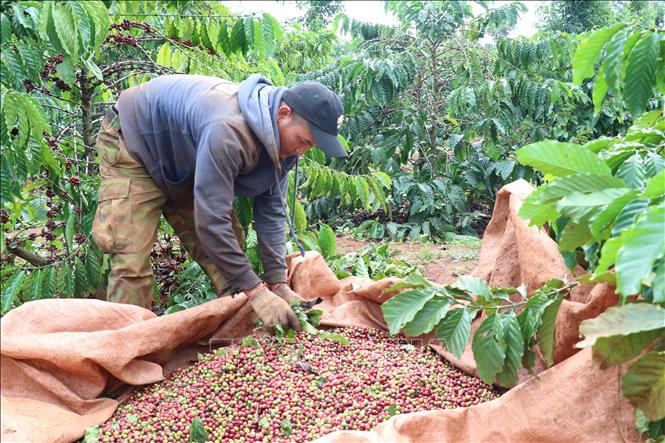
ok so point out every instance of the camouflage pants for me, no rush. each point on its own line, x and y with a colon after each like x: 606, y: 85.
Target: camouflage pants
x: 127, y: 220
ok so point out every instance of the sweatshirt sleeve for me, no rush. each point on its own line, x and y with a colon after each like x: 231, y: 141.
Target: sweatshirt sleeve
x: 270, y: 226
x: 220, y: 157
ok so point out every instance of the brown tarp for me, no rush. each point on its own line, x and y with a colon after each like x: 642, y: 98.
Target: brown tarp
x: 59, y: 356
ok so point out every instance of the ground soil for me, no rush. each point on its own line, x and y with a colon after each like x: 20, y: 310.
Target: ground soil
x: 440, y: 263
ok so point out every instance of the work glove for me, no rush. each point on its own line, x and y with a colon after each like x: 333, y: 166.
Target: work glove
x: 286, y: 293
x: 271, y: 309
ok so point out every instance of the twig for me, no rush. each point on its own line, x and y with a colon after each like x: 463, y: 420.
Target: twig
x: 29, y: 256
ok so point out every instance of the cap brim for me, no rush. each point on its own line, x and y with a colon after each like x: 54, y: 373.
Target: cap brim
x: 328, y: 143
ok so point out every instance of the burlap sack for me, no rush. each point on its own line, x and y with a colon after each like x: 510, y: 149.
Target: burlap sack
x: 59, y: 356
x: 310, y: 277
x: 513, y: 252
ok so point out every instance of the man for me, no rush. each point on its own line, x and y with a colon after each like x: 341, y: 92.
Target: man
x: 184, y: 146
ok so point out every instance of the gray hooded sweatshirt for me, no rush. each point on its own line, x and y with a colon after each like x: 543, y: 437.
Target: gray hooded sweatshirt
x: 207, y: 139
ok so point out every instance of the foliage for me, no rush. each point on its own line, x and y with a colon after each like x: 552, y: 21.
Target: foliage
x: 605, y: 201
x: 399, y: 81
x: 63, y: 63
x: 577, y: 16
x: 505, y: 341
x: 319, y: 12
x: 194, y: 288
x: 610, y: 202
x: 375, y: 262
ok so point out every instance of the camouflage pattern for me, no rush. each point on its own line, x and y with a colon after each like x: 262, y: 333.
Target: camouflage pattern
x: 127, y: 220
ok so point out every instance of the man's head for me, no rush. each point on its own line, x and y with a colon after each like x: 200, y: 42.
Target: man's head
x: 309, y: 115
x: 295, y: 137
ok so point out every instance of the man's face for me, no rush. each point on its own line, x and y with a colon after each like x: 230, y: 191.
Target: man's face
x: 295, y: 137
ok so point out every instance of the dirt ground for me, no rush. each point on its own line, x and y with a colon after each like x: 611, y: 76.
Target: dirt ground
x: 440, y: 263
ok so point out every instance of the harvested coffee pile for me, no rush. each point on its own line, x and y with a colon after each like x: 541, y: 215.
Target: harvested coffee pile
x: 294, y: 389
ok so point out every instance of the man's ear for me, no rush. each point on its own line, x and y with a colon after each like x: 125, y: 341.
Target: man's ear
x: 284, y: 111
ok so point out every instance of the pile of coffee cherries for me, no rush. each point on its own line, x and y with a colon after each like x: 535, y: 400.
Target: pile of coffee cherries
x: 294, y: 388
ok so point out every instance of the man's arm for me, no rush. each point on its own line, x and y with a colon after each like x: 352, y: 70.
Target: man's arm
x: 270, y: 226
x: 220, y: 157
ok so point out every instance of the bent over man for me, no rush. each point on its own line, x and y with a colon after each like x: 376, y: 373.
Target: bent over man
x: 185, y: 146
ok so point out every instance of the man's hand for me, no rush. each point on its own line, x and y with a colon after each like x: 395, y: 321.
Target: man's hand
x: 286, y: 293
x: 271, y: 309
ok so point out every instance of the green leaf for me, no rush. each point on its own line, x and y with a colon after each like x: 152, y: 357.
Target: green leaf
x: 93, y: 267
x: 474, y: 285
x: 301, y: 219
x: 164, y: 55
x: 588, y: 52
x: 617, y: 323
x: 561, y: 159
x: 81, y: 284
x: 609, y: 351
x: 599, y: 90
x: 608, y: 254
x: 327, y: 241
x: 632, y: 172
x: 547, y: 330
x: 66, y: 28
x: 92, y: 67
x: 36, y: 285
x: 599, y: 144
x: 658, y: 284
x: 602, y: 220
x: 66, y: 71
x: 70, y: 226
x: 65, y: 281
x: 285, y: 426
x: 197, y: 432
x: 48, y: 282
x: 579, y: 206
x: 256, y: 36
x: 454, y: 330
x: 383, y: 178
x: 574, y: 235
x: 101, y: 18
x: 614, y: 59
x: 5, y: 29
x: 238, y: 41
x: 205, y: 37
x: 272, y: 32
x: 91, y: 434
x: 643, y: 244
x: 644, y: 385
x: 11, y: 290
x: 540, y: 205
x: 531, y: 317
x: 640, y: 74
x: 655, y: 186
x: 427, y: 318
x: 514, y: 350
x: 403, y: 307
x: 339, y: 338
x: 628, y: 214
x: 489, y: 348
x: 47, y: 28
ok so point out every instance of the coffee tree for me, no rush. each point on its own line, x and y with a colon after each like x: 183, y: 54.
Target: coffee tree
x: 63, y: 65
x: 605, y: 202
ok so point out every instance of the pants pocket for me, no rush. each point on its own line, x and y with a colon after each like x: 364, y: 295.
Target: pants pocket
x: 112, y: 227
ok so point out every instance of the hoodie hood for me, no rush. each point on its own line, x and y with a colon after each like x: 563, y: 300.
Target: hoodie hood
x: 259, y: 101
